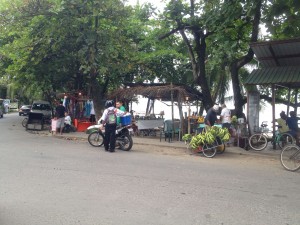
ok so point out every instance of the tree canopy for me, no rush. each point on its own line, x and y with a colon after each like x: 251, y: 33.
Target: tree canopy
x: 95, y: 46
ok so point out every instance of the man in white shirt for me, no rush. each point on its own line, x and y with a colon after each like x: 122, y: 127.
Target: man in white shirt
x: 225, y: 116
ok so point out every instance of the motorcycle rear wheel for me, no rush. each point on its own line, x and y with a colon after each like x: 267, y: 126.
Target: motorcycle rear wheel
x: 125, y: 142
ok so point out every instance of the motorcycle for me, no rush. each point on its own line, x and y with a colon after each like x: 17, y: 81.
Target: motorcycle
x: 123, y: 138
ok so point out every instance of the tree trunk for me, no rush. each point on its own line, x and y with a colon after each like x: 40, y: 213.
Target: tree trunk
x: 201, y: 76
x: 98, y: 96
x: 237, y: 95
x: 198, y: 63
x: 239, y: 63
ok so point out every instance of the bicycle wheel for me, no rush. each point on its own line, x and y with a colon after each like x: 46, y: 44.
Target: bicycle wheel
x: 96, y: 139
x: 258, y: 142
x: 220, y: 146
x: 285, y: 139
x: 221, y: 149
x: 209, y: 151
x: 24, y: 121
x: 290, y: 157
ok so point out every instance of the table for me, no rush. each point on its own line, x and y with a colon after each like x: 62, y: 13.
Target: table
x: 149, y: 127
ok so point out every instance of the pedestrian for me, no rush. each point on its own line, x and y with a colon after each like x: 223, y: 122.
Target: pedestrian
x: 53, y: 125
x: 211, y: 116
x: 225, y: 117
x: 109, y: 119
x: 60, y: 115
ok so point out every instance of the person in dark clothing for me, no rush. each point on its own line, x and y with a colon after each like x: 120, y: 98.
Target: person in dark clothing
x: 292, y: 123
x: 211, y: 116
x: 60, y: 115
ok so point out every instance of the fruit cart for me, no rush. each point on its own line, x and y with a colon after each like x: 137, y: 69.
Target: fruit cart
x: 209, y: 142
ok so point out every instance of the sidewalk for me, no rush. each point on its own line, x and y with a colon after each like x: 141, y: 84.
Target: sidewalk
x: 155, y: 141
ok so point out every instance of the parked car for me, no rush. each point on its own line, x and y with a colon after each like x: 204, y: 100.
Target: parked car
x: 43, y: 107
x: 24, y: 110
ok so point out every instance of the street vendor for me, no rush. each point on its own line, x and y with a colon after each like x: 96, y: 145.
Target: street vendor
x: 225, y: 116
x: 211, y: 116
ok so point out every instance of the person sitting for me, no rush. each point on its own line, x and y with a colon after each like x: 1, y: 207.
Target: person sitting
x: 119, y: 106
x: 68, y: 126
x: 292, y: 123
x: 282, y: 126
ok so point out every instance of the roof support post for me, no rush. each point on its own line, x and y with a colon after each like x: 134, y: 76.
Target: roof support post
x: 289, y: 100
x: 296, y: 101
x: 172, y: 103
x: 273, y: 114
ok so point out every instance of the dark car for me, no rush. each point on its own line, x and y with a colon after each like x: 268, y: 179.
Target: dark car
x: 24, y: 110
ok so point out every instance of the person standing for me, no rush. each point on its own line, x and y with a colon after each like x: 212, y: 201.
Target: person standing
x: 60, y: 115
x: 211, y: 116
x: 109, y: 119
x: 225, y: 116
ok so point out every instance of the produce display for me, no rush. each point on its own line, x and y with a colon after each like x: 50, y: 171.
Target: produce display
x: 209, y: 136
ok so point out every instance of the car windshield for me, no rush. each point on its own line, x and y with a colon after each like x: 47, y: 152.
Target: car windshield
x: 38, y: 106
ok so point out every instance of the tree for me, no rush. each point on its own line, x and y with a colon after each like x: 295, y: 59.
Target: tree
x: 282, y: 19
x: 68, y: 45
x: 222, y: 29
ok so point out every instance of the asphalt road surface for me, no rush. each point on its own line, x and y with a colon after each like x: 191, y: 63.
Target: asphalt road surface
x: 50, y: 181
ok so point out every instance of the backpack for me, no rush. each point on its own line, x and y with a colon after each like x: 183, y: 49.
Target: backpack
x: 111, y: 117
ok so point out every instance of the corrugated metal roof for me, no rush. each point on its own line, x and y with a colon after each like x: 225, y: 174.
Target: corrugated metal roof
x: 277, y: 53
x: 285, y: 76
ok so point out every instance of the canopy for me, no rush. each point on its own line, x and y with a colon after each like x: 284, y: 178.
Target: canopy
x: 158, y: 91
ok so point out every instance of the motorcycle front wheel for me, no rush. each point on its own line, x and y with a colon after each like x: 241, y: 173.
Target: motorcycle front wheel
x: 96, y: 139
x: 125, y: 142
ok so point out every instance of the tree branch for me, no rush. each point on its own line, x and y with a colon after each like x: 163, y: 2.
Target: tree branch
x: 169, y: 33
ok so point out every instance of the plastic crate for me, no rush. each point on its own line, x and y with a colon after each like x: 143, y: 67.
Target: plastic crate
x: 126, y: 120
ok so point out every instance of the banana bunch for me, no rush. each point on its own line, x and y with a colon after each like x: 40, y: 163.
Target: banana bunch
x: 223, y: 134
x: 209, y: 136
x: 187, y: 137
x: 226, y: 137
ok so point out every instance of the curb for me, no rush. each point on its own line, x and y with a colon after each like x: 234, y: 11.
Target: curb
x: 139, y: 141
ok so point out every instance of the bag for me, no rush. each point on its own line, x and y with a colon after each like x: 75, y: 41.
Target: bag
x: 111, y: 117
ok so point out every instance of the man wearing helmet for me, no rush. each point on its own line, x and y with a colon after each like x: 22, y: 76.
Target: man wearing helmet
x: 109, y: 119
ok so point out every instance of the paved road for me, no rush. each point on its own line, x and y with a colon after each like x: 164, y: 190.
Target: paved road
x: 50, y: 181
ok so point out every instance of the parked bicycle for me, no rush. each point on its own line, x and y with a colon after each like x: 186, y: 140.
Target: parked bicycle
x: 290, y: 157
x: 260, y: 139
